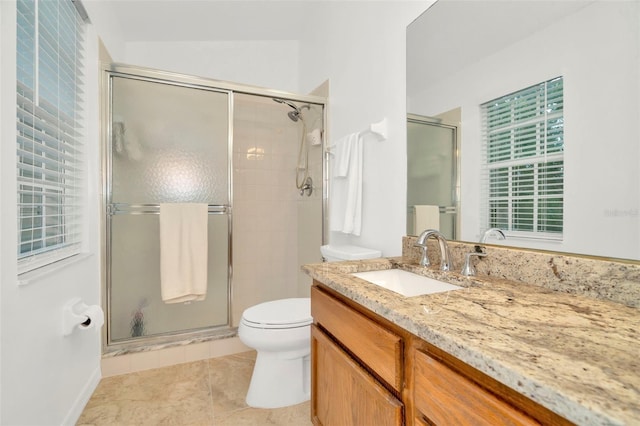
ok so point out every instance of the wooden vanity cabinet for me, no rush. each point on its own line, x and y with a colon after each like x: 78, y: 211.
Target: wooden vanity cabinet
x: 368, y: 371
x: 356, y: 367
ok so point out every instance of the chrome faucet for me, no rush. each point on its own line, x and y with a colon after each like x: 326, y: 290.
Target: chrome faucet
x: 492, y: 231
x: 445, y: 256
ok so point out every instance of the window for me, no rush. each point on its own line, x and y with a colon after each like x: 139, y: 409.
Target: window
x: 49, y: 143
x: 523, y: 162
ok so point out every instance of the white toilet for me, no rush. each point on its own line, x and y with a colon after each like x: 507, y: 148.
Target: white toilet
x: 335, y: 253
x: 280, y: 332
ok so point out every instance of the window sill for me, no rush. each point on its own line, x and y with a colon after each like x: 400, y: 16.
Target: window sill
x: 541, y: 238
x: 45, y: 271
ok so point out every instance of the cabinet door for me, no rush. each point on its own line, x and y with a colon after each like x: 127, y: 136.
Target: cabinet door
x: 343, y: 393
x: 444, y: 397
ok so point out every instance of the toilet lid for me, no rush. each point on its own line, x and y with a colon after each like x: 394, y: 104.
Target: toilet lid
x: 283, y: 313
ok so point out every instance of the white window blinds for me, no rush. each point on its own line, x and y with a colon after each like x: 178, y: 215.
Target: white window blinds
x: 523, y: 165
x: 49, y: 146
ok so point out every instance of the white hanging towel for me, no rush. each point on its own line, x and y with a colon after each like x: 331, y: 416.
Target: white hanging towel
x: 346, y: 185
x: 425, y: 217
x: 183, y: 252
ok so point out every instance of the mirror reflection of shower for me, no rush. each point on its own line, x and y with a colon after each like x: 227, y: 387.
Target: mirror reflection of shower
x: 304, y: 182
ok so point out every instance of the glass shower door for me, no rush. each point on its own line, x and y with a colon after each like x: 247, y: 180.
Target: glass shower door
x: 432, y: 177
x: 169, y: 144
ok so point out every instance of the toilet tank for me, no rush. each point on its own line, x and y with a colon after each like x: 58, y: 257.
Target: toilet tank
x: 335, y: 253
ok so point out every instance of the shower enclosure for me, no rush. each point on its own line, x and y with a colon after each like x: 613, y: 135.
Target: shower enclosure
x: 180, y: 139
x: 432, y: 172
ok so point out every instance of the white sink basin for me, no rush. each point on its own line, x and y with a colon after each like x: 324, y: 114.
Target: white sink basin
x: 405, y: 283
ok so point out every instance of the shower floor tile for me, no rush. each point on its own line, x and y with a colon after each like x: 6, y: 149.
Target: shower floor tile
x: 208, y: 392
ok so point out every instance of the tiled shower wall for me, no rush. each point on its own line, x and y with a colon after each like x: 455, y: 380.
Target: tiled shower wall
x: 274, y: 228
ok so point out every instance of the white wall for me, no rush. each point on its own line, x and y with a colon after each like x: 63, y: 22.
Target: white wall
x: 107, y: 26
x: 265, y: 63
x: 602, y: 149
x: 268, y: 63
x: 360, y: 48
x: 46, y: 378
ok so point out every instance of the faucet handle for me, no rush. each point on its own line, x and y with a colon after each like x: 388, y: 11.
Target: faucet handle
x: 468, y: 269
x: 424, y: 259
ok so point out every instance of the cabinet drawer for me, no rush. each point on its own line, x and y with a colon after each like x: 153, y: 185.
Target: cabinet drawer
x: 378, y: 348
x: 444, y: 397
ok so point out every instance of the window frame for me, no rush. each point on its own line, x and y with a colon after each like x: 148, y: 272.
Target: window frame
x: 50, y: 159
x: 523, y: 162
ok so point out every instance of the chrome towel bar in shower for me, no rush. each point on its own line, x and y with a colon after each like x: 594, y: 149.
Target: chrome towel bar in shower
x: 122, y: 208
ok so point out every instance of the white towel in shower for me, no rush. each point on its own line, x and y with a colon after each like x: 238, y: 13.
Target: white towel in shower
x: 425, y: 217
x: 183, y: 252
x: 346, y: 185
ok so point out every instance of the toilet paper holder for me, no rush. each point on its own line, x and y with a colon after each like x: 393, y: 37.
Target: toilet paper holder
x: 77, y: 314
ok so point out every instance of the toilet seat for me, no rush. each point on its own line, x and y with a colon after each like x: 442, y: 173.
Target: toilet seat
x: 283, y: 313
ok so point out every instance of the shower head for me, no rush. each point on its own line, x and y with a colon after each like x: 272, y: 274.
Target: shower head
x: 295, y: 114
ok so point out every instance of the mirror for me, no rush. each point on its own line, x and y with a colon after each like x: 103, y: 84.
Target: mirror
x: 461, y: 54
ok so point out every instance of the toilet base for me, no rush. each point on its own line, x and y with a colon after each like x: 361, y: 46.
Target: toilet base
x: 279, y: 382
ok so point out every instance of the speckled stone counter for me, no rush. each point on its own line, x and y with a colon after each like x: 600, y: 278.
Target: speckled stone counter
x: 579, y: 356
x: 617, y: 280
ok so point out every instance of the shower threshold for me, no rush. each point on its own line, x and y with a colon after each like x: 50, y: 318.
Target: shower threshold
x: 153, y: 343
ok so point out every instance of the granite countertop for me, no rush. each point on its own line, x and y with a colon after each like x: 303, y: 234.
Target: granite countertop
x: 576, y: 355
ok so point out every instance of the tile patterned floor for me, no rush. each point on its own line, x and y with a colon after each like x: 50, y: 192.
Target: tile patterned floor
x: 208, y: 392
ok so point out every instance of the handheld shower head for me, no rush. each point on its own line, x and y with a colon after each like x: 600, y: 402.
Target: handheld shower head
x: 303, y: 180
x: 294, y: 115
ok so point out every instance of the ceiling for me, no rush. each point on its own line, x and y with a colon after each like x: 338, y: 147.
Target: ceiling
x: 452, y: 34
x: 211, y: 20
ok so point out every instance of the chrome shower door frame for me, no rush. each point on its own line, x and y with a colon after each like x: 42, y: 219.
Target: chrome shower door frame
x: 454, y: 208
x: 110, y: 209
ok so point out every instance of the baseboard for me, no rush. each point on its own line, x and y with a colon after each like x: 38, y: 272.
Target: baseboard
x: 81, y: 401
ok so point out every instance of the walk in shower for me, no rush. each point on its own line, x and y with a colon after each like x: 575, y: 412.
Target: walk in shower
x: 432, y: 176
x: 180, y: 139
